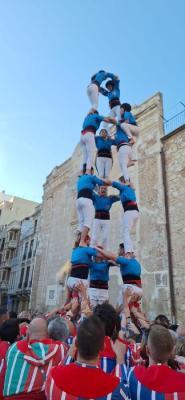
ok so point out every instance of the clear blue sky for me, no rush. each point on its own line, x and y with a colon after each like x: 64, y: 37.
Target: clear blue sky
x: 48, y: 51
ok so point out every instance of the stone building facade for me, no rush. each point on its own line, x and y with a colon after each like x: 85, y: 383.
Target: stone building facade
x: 23, y: 263
x: 151, y: 238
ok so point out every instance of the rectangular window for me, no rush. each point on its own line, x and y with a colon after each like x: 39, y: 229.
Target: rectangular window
x: 2, y: 244
x: 31, y: 249
x: 4, y: 276
x: 11, y: 235
x: 35, y: 225
x: 25, y: 251
x: 27, y: 277
x: 21, y: 278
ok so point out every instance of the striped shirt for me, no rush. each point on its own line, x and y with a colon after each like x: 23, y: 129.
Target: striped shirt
x: 28, y: 365
x: 157, y: 382
x: 80, y: 381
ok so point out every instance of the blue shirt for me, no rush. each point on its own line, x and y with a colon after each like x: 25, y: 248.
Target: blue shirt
x: 120, y: 136
x: 103, y: 144
x: 104, y: 203
x: 88, y: 182
x: 128, y: 117
x: 83, y: 255
x: 114, y: 93
x: 129, y: 266
x: 101, y: 76
x: 126, y: 192
x: 92, y: 120
x: 99, y: 271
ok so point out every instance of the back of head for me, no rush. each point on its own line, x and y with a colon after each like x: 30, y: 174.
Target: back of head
x: 162, y: 320
x: 37, y: 329
x: 90, y: 338
x: 13, y: 314
x: 9, y: 330
x: 160, y: 344
x: 58, y: 329
x: 108, y: 315
x: 126, y: 107
x: 122, y: 179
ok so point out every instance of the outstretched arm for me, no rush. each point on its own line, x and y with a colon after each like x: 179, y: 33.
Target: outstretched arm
x: 103, y: 91
x: 110, y: 120
x: 106, y: 254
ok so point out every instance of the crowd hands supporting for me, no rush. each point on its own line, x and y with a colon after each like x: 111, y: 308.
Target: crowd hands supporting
x: 84, y: 353
x: 86, y: 348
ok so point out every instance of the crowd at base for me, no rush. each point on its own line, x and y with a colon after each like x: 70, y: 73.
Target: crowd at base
x: 90, y: 354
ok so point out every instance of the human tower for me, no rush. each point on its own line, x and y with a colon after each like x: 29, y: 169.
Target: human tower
x: 91, y: 259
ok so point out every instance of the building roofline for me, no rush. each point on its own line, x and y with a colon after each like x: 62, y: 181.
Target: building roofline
x: 177, y: 130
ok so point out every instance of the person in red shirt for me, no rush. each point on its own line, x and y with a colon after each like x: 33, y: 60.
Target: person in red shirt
x: 9, y: 333
x: 157, y: 381
x: 84, y: 379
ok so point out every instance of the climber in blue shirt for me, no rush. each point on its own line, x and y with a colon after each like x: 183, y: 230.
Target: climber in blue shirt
x: 84, y: 204
x: 90, y: 125
x: 81, y: 259
x: 129, y: 125
x: 93, y: 88
x: 124, y: 151
x: 131, y: 211
x: 101, y: 224
x: 104, y: 154
x: 113, y: 94
x: 99, y: 279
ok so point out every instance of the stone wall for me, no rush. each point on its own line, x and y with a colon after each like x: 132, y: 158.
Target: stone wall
x: 174, y: 149
x: 58, y: 221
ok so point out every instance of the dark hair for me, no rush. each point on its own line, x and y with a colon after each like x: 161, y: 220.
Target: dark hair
x: 126, y: 106
x: 122, y: 179
x: 21, y: 320
x: 13, y: 314
x: 108, y: 315
x: 173, y: 327
x: 121, y: 245
x: 110, y: 82
x: 161, y: 319
x: 90, y: 337
x: 9, y: 330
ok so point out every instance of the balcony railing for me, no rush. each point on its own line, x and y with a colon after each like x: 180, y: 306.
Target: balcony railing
x: 12, y: 244
x: 175, y: 122
x: 4, y: 285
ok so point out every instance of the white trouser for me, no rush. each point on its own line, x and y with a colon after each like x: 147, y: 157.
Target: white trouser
x: 130, y: 130
x: 125, y: 155
x: 100, y: 232
x: 93, y: 94
x: 115, y: 113
x: 98, y: 296
x: 72, y: 282
x: 85, y: 213
x: 104, y: 166
x: 135, y: 291
x: 88, y: 147
x: 129, y: 220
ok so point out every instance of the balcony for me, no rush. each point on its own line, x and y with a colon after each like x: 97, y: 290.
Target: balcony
x: 14, y: 226
x: 7, y: 263
x: 4, y: 285
x: 12, y: 244
x: 175, y: 122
